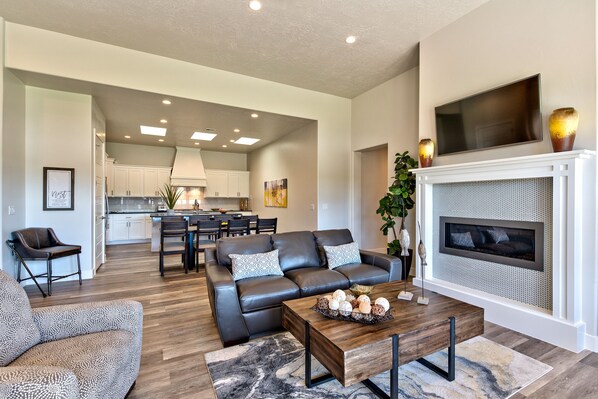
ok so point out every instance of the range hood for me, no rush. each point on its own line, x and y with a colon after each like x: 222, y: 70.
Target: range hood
x: 188, y: 170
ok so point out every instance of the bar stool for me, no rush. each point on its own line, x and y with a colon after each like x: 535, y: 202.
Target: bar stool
x: 208, y: 231
x: 266, y: 225
x: 173, y: 240
x: 237, y: 227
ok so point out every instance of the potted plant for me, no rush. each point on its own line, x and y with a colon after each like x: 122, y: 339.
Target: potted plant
x: 398, y: 201
x: 170, y: 195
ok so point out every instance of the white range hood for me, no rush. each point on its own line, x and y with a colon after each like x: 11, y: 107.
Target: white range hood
x: 188, y: 170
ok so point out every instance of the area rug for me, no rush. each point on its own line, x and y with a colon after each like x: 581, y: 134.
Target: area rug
x: 272, y: 367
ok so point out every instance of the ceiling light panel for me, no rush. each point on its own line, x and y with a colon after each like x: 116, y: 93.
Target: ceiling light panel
x: 255, y: 5
x: 153, y: 131
x: 246, y: 141
x: 203, y: 136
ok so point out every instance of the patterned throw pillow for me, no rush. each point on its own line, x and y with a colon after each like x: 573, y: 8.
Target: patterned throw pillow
x: 256, y: 265
x: 498, y: 235
x: 342, y: 254
x: 462, y: 240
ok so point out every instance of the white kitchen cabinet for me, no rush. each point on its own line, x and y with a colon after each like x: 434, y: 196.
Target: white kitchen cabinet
x: 217, y: 183
x: 128, y: 181
x: 127, y: 227
x: 148, y: 227
x: 109, y: 176
x: 227, y: 183
x: 154, y: 180
x: 238, y: 184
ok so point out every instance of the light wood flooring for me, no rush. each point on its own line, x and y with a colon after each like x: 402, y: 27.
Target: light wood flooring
x: 178, y: 329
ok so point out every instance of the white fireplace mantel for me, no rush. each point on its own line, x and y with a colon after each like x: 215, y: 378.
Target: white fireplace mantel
x: 572, y: 322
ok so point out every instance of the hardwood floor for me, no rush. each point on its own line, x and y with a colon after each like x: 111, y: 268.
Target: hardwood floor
x: 179, y: 329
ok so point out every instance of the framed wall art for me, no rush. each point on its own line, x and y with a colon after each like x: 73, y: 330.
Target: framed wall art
x: 275, y: 193
x: 59, y: 189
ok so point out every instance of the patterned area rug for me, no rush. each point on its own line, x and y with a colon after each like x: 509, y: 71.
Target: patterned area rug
x: 272, y: 367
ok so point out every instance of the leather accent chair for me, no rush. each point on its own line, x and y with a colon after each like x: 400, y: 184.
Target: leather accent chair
x: 89, y: 350
x: 41, y: 243
x: 253, y: 306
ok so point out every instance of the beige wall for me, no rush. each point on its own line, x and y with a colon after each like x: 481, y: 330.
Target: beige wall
x: 386, y: 115
x: 134, y: 154
x: 59, y: 134
x: 374, y: 186
x: 293, y: 157
x: 13, y: 163
x: 52, y: 53
x: 507, y: 40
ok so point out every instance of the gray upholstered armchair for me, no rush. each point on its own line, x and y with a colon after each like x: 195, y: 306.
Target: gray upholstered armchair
x: 91, y: 350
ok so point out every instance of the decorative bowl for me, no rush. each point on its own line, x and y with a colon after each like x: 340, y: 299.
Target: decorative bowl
x: 222, y: 211
x: 354, y: 316
x: 358, y: 289
x: 214, y: 209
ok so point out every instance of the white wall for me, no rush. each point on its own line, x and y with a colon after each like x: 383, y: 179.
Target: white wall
x: 37, y: 50
x: 293, y: 157
x: 13, y: 164
x: 503, y: 41
x: 59, y: 134
x: 385, y: 115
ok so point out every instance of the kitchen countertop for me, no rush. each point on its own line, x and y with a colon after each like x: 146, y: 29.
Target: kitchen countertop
x: 181, y: 212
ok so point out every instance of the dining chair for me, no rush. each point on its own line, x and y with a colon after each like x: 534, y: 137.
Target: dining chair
x: 266, y: 225
x: 252, y: 221
x: 237, y: 227
x: 208, y: 231
x: 173, y: 240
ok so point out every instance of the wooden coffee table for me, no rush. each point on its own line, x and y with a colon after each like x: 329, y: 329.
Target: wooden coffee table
x: 354, y: 352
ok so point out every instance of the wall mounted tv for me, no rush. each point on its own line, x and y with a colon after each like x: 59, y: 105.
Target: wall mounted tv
x: 499, y: 117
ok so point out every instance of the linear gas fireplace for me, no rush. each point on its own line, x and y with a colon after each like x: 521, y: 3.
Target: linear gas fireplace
x: 507, y: 242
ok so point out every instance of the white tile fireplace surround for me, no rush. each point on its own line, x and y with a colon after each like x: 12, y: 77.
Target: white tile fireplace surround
x: 557, y: 304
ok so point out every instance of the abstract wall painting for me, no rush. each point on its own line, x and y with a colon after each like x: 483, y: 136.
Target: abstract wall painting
x: 275, y: 193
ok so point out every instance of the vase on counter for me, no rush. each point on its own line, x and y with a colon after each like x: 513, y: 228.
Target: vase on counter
x: 170, y: 211
x: 562, y: 124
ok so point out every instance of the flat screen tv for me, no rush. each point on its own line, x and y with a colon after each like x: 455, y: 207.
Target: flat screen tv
x: 499, y: 117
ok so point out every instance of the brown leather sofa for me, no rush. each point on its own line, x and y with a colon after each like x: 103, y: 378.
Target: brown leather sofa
x: 252, y: 306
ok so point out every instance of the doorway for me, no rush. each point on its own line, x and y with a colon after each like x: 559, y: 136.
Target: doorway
x: 374, y: 184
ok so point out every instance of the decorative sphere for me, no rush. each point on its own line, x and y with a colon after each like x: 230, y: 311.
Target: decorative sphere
x: 378, y: 310
x: 365, y: 307
x: 339, y: 295
x: 345, y: 308
x: 383, y: 302
x: 333, y: 304
x: 364, y: 298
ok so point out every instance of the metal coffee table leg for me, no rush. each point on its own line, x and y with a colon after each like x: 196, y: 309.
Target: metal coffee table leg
x: 309, y: 382
x: 450, y: 374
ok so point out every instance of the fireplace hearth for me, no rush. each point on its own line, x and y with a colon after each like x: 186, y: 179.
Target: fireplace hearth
x: 508, y: 242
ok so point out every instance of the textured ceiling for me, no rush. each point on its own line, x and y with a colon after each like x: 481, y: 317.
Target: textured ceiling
x: 296, y: 42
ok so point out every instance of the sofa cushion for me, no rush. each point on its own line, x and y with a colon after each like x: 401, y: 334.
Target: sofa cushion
x: 344, y: 254
x: 296, y: 249
x: 18, y: 331
x: 331, y: 238
x: 361, y: 273
x: 255, y: 265
x: 244, y: 245
x: 98, y: 360
x: 265, y: 292
x: 313, y: 281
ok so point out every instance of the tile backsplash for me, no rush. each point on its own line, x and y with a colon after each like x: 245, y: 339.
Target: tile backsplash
x: 149, y: 204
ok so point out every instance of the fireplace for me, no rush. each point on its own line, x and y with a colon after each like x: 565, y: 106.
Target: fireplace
x: 507, y: 242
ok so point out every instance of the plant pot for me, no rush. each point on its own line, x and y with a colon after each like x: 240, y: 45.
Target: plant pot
x: 170, y: 211
x: 408, y: 262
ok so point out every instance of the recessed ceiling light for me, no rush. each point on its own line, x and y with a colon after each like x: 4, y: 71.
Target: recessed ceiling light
x: 163, y: 121
x: 246, y: 141
x: 350, y: 39
x: 196, y: 143
x: 255, y: 5
x: 203, y: 136
x: 161, y: 140
x: 254, y: 115
x: 153, y: 131
x: 224, y: 146
x: 127, y: 137
x: 166, y: 102
x: 232, y: 141
x: 236, y: 130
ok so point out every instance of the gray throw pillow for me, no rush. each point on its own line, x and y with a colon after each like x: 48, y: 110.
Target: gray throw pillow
x: 462, y: 240
x: 342, y: 254
x: 498, y: 235
x: 256, y: 265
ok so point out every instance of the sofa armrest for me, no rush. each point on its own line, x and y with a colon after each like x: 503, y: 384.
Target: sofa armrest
x: 38, y: 382
x: 63, y: 321
x: 391, y: 264
x: 224, y: 301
